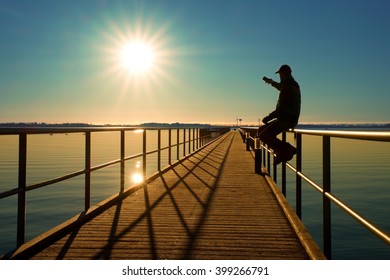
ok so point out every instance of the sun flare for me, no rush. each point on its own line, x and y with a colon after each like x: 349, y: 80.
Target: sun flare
x: 137, y: 57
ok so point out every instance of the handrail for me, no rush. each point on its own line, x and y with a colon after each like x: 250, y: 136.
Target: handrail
x: 198, y: 138
x: 249, y: 136
x: 358, y: 135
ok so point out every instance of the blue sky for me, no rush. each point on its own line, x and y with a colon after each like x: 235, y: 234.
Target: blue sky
x: 59, y: 60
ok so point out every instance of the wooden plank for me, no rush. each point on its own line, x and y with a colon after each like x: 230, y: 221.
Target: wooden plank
x: 210, y: 206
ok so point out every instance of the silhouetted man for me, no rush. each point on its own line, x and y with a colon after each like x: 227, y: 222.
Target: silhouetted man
x: 285, y: 116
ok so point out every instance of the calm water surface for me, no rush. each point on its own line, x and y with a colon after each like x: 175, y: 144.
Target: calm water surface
x: 360, y: 177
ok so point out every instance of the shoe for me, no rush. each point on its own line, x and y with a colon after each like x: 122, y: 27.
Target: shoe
x: 290, y: 153
x: 286, y: 155
x: 278, y: 159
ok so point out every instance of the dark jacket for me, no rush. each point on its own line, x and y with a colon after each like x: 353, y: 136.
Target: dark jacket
x: 288, y: 107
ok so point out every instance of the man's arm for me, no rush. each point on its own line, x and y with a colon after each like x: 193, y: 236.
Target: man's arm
x: 271, y: 82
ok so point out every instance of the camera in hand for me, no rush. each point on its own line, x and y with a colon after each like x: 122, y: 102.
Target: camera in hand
x: 267, y: 80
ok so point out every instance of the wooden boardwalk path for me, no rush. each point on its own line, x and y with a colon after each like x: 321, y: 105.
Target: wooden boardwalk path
x: 210, y: 206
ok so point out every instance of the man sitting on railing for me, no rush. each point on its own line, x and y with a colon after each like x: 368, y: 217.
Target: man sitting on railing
x: 284, y: 117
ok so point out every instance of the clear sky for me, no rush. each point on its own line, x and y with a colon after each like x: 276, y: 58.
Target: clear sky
x: 60, y: 61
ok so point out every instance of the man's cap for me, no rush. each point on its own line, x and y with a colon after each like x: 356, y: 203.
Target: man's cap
x: 284, y: 69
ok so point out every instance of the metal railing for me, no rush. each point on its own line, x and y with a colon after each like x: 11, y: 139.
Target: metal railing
x: 263, y: 157
x: 192, y: 140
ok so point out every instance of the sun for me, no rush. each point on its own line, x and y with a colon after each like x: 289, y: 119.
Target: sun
x: 137, y: 57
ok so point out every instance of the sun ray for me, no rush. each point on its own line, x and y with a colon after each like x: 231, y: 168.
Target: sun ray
x: 157, y: 76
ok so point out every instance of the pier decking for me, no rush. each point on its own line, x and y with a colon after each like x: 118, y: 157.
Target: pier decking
x: 211, y: 205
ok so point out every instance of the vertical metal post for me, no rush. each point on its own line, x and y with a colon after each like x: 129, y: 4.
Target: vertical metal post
x: 197, y: 138
x: 177, y: 143
x: 184, y: 142
x: 22, y: 189
x: 122, y: 161
x: 87, y: 196
x: 298, y: 178
x: 268, y: 161
x: 326, y: 177
x: 284, y: 189
x: 144, y: 154
x: 189, y: 140
x: 248, y: 148
x: 193, y: 139
x: 169, y: 146
x: 258, y: 156
x: 275, y: 171
x: 159, y: 150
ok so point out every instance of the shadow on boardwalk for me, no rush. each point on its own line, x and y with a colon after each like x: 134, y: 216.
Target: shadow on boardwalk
x: 210, y: 206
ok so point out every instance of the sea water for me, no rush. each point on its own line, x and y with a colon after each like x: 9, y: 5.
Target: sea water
x: 360, y: 177
x: 54, y: 155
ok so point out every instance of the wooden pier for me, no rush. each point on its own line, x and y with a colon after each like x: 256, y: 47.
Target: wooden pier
x: 211, y: 205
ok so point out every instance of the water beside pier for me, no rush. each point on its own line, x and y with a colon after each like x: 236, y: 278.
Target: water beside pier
x: 360, y: 175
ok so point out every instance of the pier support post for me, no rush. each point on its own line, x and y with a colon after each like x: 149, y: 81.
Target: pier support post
x: 144, y: 154
x: 258, y: 156
x: 284, y: 183
x: 326, y: 173
x: 122, y: 188
x: 22, y: 189
x: 87, y: 195
x: 298, y: 192
x: 159, y: 150
x: 248, y: 147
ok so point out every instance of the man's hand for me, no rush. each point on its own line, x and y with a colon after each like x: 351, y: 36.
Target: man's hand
x: 267, y: 80
x: 266, y: 119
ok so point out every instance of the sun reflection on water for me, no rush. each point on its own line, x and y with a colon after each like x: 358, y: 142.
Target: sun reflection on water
x: 137, y: 176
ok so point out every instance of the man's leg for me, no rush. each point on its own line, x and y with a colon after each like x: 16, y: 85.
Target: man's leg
x: 268, y: 134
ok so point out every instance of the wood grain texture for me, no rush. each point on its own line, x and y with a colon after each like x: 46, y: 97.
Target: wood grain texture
x: 210, y: 206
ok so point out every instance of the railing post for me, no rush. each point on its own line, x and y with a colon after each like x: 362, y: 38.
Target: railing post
x: 248, y: 148
x: 177, y: 143
x: 258, y: 163
x: 298, y: 178
x: 197, y: 138
x: 22, y: 189
x: 169, y: 146
x: 284, y: 189
x: 144, y: 154
x: 159, y: 150
x: 193, y: 139
x: 268, y: 160
x: 87, y: 197
x: 189, y: 140
x: 275, y: 171
x: 184, y: 142
x: 122, y: 161
x: 326, y: 177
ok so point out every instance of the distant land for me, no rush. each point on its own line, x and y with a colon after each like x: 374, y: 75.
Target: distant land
x: 197, y: 125
x: 344, y: 125
x: 70, y: 125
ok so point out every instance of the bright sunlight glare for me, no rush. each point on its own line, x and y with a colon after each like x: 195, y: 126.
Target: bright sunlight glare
x: 137, y: 57
x: 137, y: 178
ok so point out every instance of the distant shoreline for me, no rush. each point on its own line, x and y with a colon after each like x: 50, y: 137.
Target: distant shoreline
x: 197, y: 125
x: 80, y: 125
x: 341, y: 125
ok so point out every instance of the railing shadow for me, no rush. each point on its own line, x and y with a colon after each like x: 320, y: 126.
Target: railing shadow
x: 185, y: 206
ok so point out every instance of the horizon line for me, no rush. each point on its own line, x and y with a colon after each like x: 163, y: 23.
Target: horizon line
x: 232, y: 124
